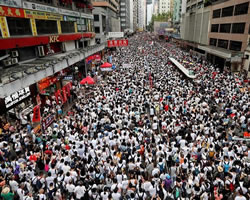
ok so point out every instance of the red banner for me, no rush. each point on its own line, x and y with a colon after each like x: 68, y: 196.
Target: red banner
x: 11, y: 12
x: 64, y: 95
x: 36, y: 114
x: 117, y: 43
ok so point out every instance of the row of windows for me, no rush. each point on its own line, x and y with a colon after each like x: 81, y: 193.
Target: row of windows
x: 21, y: 26
x: 228, y: 28
x: 239, y: 9
x: 234, y: 45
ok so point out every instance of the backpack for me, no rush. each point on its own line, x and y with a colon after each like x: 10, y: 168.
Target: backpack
x: 196, y: 171
x: 211, y: 154
x: 161, y: 168
x: 38, y: 184
x: 231, y: 186
x: 167, y: 184
x: 226, y: 167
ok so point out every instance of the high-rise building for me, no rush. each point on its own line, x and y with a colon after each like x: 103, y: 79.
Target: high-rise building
x: 125, y: 14
x: 135, y: 15
x: 112, y: 13
x: 177, y: 11
x: 141, y: 15
x: 164, y: 6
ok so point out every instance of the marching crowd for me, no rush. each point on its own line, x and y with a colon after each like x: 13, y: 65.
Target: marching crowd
x: 146, y: 133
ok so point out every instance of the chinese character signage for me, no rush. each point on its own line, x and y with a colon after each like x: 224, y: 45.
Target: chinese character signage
x: 11, y: 3
x: 36, y: 114
x: 47, y: 121
x: 11, y: 12
x: 16, y: 97
x: 117, y: 43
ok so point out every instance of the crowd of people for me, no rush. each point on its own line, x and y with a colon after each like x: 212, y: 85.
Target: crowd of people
x: 147, y: 132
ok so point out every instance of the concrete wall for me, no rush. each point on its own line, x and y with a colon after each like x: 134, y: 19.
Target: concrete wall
x: 195, y: 26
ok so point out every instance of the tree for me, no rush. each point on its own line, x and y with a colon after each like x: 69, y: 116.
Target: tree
x: 162, y: 17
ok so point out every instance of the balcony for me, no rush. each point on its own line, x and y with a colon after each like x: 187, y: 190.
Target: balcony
x: 15, y: 78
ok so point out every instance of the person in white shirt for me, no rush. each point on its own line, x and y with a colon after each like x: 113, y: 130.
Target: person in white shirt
x: 79, y: 191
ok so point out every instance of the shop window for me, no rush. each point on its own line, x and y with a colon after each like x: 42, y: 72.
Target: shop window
x: 235, y: 45
x: 238, y: 28
x: 67, y: 27
x: 241, y: 9
x: 96, y: 18
x: 216, y: 13
x: 213, y: 41
x: 97, y: 29
x: 215, y: 28
x: 225, y: 28
x: 19, y: 26
x: 228, y: 11
x: 46, y: 26
x: 223, y: 43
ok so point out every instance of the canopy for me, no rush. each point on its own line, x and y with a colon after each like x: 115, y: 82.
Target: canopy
x: 87, y: 80
x: 106, y: 65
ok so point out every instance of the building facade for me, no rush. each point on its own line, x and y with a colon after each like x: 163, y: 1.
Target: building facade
x: 165, y: 6
x: 100, y: 24
x: 141, y: 15
x: 177, y: 11
x: 125, y: 14
x: 229, y: 33
x: 135, y: 15
x: 41, y: 40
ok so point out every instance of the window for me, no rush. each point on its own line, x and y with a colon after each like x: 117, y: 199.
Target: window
x: 225, y: 28
x: 46, y: 26
x: 223, y: 43
x: 241, y: 9
x: 67, y: 27
x: 238, y: 28
x: 235, y: 45
x: 228, y: 11
x: 215, y: 28
x: 97, y: 29
x: 213, y: 41
x: 96, y: 18
x: 19, y: 26
x: 216, y: 13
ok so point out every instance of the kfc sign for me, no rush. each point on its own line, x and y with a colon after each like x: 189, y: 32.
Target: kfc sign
x: 117, y: 43
x: 16, y: 97
x: 53, y: 38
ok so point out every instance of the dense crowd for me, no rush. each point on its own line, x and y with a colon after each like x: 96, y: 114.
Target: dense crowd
x: 147, y: 132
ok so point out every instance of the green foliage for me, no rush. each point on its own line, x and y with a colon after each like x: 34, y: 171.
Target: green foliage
x: 163, y: 17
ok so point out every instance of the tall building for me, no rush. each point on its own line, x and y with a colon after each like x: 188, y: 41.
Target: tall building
x: 155, y: 7
x: 141, y: 14
x: 228, y: 33
x: 112, y: 13
x: 125, y: 14
x: 135, y: 15
x: 164, y: 6
x: 41, y: 41
x: 149, y: 11
x: 218, y: 31
x: 177, y: 11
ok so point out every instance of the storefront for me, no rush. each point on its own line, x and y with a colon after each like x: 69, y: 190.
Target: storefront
x: 19, y: 104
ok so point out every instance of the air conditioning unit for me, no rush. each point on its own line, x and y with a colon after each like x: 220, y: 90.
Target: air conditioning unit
x: 14, y: 54
x: 41, y: 51
x: 7, y: 62
x: 63, y: 47
x: 14, y: 61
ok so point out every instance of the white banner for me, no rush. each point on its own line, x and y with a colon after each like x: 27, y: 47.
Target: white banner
x: 115, y: 34
x: 16, y: 97
x: 124, y: 65
x: 106, y: 69
x: 11, y: 3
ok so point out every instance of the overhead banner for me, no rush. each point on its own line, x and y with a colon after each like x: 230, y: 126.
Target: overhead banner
x: 42, y: 15
x: 117, y: 43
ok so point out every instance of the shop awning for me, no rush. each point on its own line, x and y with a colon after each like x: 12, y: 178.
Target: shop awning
x: 220, y: 52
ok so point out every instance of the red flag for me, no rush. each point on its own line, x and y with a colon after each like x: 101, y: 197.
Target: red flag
x: 36, y: 114
x: 64, y: 95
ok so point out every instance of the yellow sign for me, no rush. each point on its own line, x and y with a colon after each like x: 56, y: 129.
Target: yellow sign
x: 41, y: 15
x: 4, y: 27
x: 33, y: 26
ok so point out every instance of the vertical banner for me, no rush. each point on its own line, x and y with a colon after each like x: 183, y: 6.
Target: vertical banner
x: 36, y: 114
x: 56, y: 95
x: 64, y: 95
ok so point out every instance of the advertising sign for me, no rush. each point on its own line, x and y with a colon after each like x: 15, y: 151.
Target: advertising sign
x: 115, y: 34
x: 11, y: 12
x: 41, y: 15
x: 11, y: 3
x: 35, y: 6
x: 117, y: 43
x: 16, y: 97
